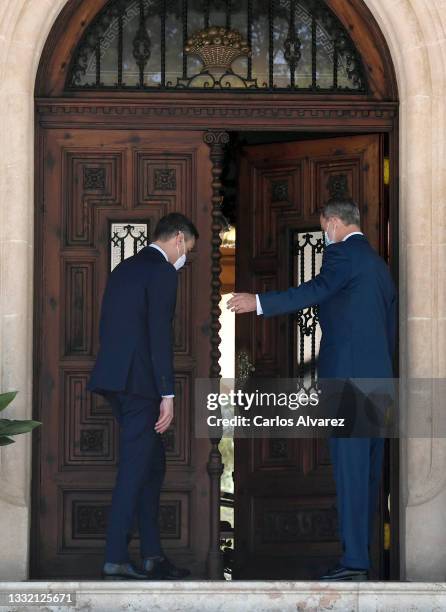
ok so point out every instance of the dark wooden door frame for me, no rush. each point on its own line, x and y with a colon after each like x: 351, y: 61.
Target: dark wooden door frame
x: 291, y: 115
x: 218, y: 113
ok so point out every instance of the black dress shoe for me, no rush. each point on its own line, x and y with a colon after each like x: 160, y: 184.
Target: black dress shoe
x: 122, y: 571
x: 346, y: 573
x: 161, y: 568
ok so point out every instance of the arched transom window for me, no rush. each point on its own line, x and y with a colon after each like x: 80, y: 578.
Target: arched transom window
x: 242, y: 45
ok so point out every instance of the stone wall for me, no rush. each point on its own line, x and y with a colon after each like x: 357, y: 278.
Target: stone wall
x: 416, y: 34
x: 415, y: 31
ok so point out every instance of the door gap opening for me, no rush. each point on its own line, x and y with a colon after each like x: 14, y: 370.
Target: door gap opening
x: 233, y: 252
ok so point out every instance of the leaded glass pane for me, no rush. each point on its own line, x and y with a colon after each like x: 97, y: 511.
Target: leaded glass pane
x: 308, y: 251
x: 285, y: 45
x: 126, y: 239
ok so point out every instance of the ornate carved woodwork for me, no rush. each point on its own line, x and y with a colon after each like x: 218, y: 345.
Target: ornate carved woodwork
x: 89, y: 519
x: 104, y: 192
x: 279, y: 191
x: 299, y: 525
x: 337, y: 186
x: 216, y: 141
x: 94, y: 178
x: 165, y: 179
x: 168, y: 112
x: 87, y: 430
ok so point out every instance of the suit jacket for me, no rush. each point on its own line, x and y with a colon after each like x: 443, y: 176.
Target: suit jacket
x: 357, y: 310
x: 136, y: 343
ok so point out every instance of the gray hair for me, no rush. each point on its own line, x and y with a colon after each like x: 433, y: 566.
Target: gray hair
x: 345, y: 208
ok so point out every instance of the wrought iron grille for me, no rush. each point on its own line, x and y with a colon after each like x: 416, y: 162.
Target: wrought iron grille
x: 126, y: 239
x: 308, y: 251
x: 241, y: 45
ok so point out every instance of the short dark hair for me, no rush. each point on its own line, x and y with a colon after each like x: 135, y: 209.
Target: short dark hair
x: 344, y: 208
x: 169, y: 225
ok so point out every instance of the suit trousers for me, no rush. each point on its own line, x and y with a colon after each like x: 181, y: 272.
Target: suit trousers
x: 357, y: 466
x: 141, y: 470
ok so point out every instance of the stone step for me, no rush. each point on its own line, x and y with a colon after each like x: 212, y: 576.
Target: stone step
x: 206, y: 596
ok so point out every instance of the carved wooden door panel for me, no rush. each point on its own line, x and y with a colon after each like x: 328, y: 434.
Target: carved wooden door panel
x: 285, y: 521
x: 98, y: 187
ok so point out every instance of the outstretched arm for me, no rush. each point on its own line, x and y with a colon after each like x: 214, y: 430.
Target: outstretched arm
x: 334, y: 275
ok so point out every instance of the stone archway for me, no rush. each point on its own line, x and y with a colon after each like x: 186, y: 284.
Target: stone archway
x: 416, y: 38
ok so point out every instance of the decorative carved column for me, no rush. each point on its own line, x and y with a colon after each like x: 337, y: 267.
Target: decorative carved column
x: 216, y: 141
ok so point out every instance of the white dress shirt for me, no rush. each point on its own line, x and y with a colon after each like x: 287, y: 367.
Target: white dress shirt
x: 158, y: 248
x: 259, y: 307
x: 351, y: 234
x: 155, y: 246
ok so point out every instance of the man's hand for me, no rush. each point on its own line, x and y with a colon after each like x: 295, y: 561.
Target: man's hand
x: 166, y: 415
x: 242, y: 302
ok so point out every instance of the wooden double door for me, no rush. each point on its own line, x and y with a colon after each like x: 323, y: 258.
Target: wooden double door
x: 98, y: 190
x: 100, y: 194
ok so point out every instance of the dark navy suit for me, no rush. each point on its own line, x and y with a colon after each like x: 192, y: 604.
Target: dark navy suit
x: 357, y: 313
x: 134, y: 368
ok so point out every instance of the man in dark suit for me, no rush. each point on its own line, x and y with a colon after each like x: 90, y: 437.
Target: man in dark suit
x: 357, y: 313
x: 134, y: 371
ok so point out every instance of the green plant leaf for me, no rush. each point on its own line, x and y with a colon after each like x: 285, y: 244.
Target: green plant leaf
x: 4, y: 441
x: 12, y: 427
x: 6, y: 398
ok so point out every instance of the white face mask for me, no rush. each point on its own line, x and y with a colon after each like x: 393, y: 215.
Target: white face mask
x: 181, y: 258
x: 328, y: 240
